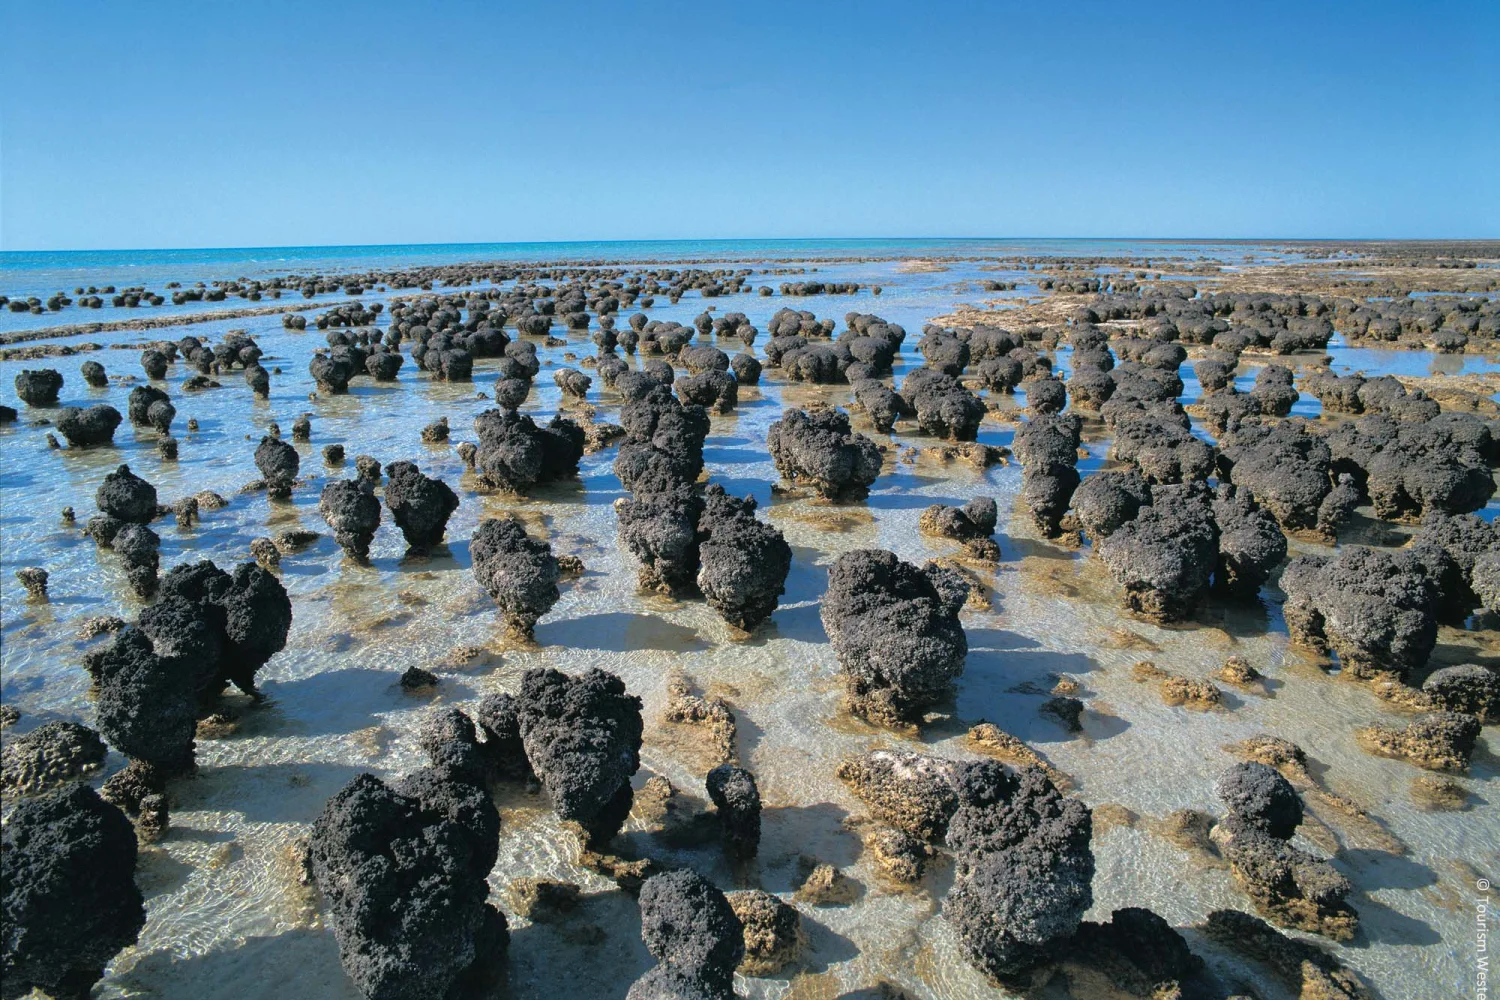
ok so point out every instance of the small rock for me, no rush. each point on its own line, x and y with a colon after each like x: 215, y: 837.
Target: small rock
x: 294, y: 539
x: 825, y: 885
x: 92, y: 628
x: 34, y: 579
x: 1067, y: 711
x: 542, y: 900
x: 265, y: 552
x: 417, y: 679
x: 773, y: 931
x: 1238, y: 671
x: 152, y: 821
x: 1439, y: 794
x: 899, y: 856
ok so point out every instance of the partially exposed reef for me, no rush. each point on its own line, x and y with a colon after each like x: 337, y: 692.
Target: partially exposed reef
x: 895, y: 628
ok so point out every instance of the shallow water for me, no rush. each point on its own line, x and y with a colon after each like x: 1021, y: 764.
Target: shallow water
x: 226, y: 916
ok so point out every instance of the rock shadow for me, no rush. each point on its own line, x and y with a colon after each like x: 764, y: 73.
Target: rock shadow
x: 620, y: 632
x: 298, y: 963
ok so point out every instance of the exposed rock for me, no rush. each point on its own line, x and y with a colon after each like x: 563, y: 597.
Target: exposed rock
x: 661, y: 530
x: 265, y: 553
x: 89, y: 428
x: 693, y: 933
x: 1372, y: 607
x: 943, y: 406
x: 898, y: 855
x: 1105, y: 501
x: 1259, y: 798
x: 518, y: 571
x: 71, y: 902
x: 664, y: 445
x: 988, y: 738
x: 514, y: 453
x: 1025, y: 870
x: 582, y: 736
x: 816, y: 448
x: 773, y: 932
x: 278, y: 463
x: 420, y: 505
x: 1288, y: 885
x: 417, y: 679
x: 1238, y: 671
x: 403, y: 871
x: 125, y: 496
x: 895, y: 628
x: 39, y: 388
x: 1166, y: 555
x: 743, y: 561
x: 354, y: 515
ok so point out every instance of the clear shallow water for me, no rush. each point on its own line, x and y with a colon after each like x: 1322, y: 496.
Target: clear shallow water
x: 226, y: 916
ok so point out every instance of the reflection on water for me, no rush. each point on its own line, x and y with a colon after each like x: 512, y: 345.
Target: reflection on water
x: 228, y: 916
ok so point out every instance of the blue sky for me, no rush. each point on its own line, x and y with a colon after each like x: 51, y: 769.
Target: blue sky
x: 130, y: 123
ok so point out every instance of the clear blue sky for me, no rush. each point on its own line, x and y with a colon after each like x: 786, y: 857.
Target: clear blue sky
x: 130, y: 123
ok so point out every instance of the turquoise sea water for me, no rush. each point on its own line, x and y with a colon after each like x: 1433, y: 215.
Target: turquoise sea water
x: 43, y: 272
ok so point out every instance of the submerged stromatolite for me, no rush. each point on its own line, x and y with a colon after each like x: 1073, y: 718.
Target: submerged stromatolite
x: 50, y: 755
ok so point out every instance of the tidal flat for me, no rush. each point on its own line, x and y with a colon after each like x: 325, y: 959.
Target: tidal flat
x: 1133, y: 643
